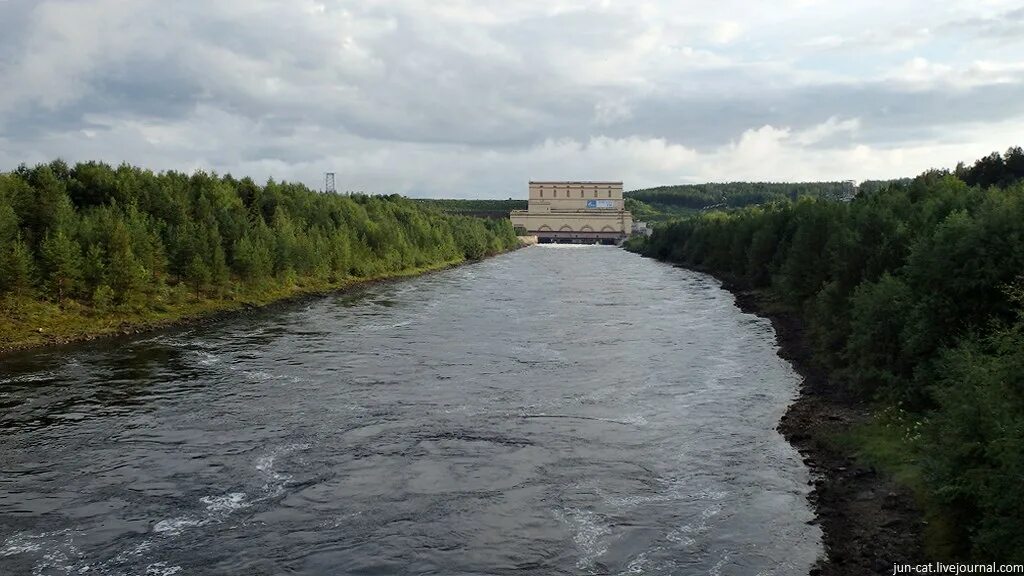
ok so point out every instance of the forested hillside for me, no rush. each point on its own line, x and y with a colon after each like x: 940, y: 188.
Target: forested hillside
x: 695, y: 197
x: 913, y: 296
x: 479, y: 208
x: 88, y: 247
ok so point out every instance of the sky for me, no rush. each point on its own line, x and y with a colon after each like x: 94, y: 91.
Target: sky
x: 474, y: 98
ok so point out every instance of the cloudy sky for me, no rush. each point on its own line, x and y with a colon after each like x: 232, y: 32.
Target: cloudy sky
x: 473, y: 98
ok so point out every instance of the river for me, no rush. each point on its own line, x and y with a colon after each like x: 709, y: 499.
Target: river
x: 555, y: 410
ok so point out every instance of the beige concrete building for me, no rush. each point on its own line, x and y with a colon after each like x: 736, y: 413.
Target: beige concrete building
x: 575, y: 212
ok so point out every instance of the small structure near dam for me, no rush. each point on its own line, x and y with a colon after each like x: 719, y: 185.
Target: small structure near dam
x: 574, y: 213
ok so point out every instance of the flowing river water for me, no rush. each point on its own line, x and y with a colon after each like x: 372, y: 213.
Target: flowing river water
x: 556, y: 410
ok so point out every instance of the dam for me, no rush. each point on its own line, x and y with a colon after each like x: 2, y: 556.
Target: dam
x: 584, y: 212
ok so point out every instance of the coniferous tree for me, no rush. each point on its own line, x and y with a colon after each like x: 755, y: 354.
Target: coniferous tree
x: 62, y: 264
x: 16, y: 268
x: 198, y: 274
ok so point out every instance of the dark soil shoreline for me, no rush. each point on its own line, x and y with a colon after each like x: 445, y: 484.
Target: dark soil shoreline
x: 868, y: 522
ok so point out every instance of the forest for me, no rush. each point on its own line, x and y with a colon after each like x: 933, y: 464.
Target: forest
x: 736, y: 194
x: 913, y: 297
x: 672, y: 202
x: 90, y: 247
x: 483, y: 208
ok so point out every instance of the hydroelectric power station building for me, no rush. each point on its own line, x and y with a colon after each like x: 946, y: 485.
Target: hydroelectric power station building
x: 575, y: 212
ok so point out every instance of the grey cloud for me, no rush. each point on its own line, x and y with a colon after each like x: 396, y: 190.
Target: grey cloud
x: 392, y: 86
x: 887, y: 114
x: 1006, y: 26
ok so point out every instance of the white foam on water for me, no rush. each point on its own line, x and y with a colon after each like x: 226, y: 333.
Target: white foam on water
x: 379, y: 327
x: 179, y: 341
x: 637, y: 565
x: 588, y: 533
x: 635, y: 420
x: 716, y: 570
x: 276, y: 481
x: 162, y: 569
x: 710, y: 512
x: 679, y: 536
x: 207, y: 358
x: 217, y: 508
x: 565, y: 246
x: 225, y: 504
x: 59, y: 553
x: 29, y: 378
x: 257, y: 375
x: 143, y: 547
x: 175, y: 526
x: 343, y: 520
x: 262, y: 376
x: 685, y: 534
x: 21, y: 544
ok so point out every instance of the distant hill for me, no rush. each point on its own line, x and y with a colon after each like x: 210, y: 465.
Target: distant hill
x: 478, y: 208
x: 737, y: 194
x: 668, y: 202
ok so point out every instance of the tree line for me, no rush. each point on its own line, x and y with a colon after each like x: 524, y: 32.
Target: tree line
x: 913, y: 298
x: 736, y: 194
x: 485, y: 208
x: 105, y: 238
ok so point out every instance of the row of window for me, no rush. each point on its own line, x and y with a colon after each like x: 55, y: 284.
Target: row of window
x: 567, y: 193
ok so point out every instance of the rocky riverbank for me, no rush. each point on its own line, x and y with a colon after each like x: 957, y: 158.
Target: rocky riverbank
x: 869, y: 523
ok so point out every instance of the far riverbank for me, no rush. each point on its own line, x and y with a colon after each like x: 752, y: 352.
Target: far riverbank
x: 27, y: 324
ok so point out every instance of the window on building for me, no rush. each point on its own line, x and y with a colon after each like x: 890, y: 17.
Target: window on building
x: 541, y: 192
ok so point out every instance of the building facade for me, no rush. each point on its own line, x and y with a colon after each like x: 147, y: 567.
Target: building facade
x: 574, y: 212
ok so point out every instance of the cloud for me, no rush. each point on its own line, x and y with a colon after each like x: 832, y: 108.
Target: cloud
x: 726, y: 32
x: 898, y: 40
x: 827, y: 129
x: 612, y: 111
x: 920, y: 73
x: 1008, y: 25
x: 475, y: 97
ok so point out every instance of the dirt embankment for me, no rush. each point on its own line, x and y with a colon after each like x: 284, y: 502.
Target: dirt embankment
x: 869, y: 523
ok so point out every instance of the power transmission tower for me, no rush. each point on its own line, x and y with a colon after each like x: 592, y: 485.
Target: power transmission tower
x: 329, y: 183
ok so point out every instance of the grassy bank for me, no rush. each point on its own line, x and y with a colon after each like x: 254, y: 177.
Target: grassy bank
x: 30, y: 323
x: 888, y: 439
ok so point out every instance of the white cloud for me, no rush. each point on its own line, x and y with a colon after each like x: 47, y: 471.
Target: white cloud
x: 831, y: 127
x: 726, y: 32
x: 922, y: 73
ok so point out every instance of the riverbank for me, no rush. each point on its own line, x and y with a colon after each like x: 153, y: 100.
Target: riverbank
x: 27, y: 324
x: 868, y: 521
